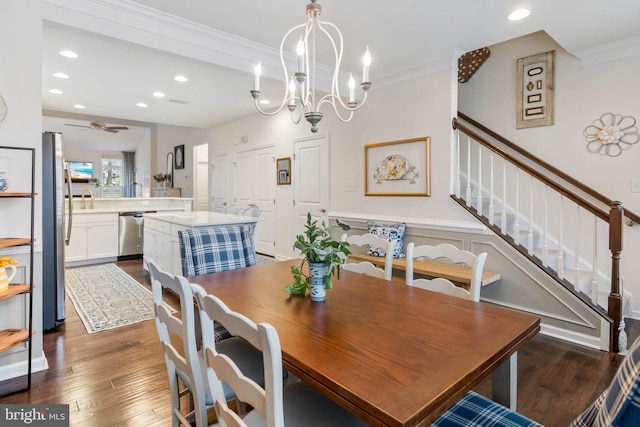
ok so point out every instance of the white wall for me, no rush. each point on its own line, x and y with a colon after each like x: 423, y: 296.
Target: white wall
x: 20, y: 87
x: 167, y: 138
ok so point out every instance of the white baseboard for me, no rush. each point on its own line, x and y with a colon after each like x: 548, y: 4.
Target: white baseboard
x: 18, y: 369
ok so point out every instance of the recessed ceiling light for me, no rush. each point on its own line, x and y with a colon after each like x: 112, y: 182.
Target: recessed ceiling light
x: 68, y: 53
x: 61, y: 75
x: 80, y: 106
x: 158, y: 94
x: 141, y: 105
x: 518, y: 14
x: 181, y: 78
x: 264, y: 101
x: 56, y: 91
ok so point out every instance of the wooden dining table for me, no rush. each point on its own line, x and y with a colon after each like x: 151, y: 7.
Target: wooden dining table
x: 392, y: 354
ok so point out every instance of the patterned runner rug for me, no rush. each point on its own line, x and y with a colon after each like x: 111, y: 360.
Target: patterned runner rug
x: 106, y: 297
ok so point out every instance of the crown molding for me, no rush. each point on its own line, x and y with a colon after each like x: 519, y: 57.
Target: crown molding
x: 607, y: 54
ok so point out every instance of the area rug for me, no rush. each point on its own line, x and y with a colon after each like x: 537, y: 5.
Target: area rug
x: 264, y: 259
x: 106, y: 297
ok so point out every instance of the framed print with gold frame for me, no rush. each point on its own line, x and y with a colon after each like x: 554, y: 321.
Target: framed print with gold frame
x: 398, y: 168
x: 283, y: 170
x: 535, y: 90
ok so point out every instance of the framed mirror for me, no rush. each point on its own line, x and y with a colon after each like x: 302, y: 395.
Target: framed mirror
x: 169, y: 171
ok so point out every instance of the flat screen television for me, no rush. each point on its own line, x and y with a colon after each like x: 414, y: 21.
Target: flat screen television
x: 80, y: 171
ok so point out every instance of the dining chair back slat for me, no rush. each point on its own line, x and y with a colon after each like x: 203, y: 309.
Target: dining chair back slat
x: 365, y: 267
x: 454, y: 255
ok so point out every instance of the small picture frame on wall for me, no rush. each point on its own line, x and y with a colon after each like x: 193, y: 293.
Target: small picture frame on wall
x: 178, y: 155
x: 283, y: 170
x: 535, y: 90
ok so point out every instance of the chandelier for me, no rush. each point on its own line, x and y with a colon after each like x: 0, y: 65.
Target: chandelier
x: 300, y: 90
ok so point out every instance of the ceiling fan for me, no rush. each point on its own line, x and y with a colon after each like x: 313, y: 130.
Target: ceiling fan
x: 98, y: 125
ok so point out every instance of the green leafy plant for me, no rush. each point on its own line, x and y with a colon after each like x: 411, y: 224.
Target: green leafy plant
x: 95, y: 181
x: 316, y: 245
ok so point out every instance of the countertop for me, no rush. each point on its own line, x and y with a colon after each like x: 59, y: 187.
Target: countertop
x: 202, y: 218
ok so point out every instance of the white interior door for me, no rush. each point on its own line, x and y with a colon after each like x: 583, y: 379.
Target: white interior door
x: 311, y: 180
x: 201, y: 181
x: 255, y: 177
x: 221, y: 182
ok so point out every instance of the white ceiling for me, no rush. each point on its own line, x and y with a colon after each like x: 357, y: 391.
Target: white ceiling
x: 407, y: 38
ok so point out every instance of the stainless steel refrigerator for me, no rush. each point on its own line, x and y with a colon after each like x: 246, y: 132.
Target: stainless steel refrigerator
x: 55, y: 233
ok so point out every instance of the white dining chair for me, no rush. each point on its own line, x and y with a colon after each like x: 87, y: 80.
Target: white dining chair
x: 454, y: 255
x: 182, y: 345
x: 275, y: 404
x: 231, y: 209
x: 366, y: 267
x: 253, y: 211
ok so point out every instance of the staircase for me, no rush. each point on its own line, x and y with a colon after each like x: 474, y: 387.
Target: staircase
x: 570, y: 232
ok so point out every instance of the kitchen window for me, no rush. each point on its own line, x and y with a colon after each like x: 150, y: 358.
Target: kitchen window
x: 111, y: 178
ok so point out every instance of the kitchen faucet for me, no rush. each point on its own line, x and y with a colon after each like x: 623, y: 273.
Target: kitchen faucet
x: 92, y: 198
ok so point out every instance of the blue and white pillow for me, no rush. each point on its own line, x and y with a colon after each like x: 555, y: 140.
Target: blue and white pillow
x: 393, y: 233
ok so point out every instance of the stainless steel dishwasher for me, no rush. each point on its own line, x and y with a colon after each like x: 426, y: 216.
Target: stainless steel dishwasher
x: 130, y: 233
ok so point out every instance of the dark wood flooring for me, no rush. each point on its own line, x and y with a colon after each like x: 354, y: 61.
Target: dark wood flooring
x: 118, y: 377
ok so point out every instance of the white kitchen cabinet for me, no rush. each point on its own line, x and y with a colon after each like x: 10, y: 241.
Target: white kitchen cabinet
x: 162, y: 245
x: 93, y: 236
x: 102, y: 239
x: 77, y: 249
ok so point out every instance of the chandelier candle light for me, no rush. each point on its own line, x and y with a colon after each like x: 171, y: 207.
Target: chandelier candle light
x: 301, y: 88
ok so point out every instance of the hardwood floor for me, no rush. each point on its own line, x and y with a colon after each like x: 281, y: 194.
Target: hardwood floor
x: 118, y: 377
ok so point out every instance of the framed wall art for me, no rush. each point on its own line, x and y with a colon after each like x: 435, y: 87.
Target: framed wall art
x: 283, y: 169
x: 398, y: 168
x: 178, y: 155
x: 534, y: 90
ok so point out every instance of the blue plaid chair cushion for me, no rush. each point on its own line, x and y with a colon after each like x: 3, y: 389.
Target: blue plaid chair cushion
x: 619, y: 405
x: 478, y: 411
x: 211, y: 249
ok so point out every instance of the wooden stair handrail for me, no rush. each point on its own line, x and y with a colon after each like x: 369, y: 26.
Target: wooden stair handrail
x: 578, y: 184
x: 614, y: 217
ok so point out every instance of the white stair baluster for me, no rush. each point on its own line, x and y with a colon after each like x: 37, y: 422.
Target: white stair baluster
x: 457, y: 189
x: 516, y: 224
x: 503, y: 217
x: 560, y: 269
x: 545, y: 243
x: 530, y: 235
x: 479, y: 197
x: 491, y: 196
x: 468, y: 195
x: 577, y: 283
x: 594, y: 278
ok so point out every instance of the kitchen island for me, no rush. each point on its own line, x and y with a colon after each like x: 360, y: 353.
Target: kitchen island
x: 161, y: 233
x: 96, y: 234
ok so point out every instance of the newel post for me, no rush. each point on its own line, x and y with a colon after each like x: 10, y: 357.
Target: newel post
x: 615, y: 246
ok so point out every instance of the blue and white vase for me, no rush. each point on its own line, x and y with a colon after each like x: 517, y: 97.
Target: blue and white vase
x: 4, y: 182
x: 317, y: 271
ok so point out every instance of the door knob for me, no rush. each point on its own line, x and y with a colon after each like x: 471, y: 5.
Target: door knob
x: 322, y: 210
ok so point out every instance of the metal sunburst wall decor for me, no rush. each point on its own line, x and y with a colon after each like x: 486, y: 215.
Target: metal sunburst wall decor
x: 611, y: 134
